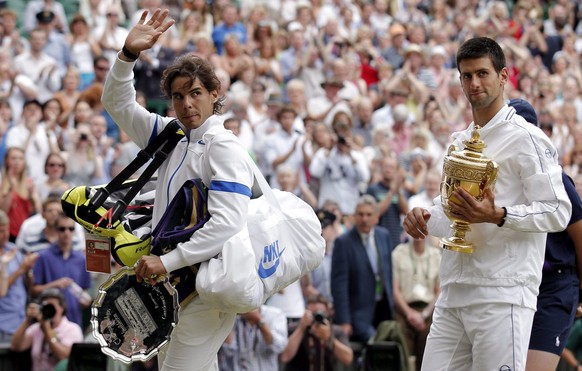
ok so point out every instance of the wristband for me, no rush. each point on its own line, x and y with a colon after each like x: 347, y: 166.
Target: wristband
x: 504, y: 216
x: 129, y: 54
x: 260, y: 324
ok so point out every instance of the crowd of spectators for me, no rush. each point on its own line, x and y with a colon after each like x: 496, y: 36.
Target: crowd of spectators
x: 334, y: 99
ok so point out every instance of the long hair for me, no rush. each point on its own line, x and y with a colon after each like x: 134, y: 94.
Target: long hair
x: 21, y: 188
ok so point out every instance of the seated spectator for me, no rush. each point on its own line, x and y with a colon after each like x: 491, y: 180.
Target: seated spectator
x: 36, y: 6
x: 415, y: 269
x: 324, y: 108
x: 320, y: 277
x: 84, y: 161
x: 229, y: 24
x: 39, y: 66
x: 47, y: 331
x: 33, y: 137
x: 84, y: 48
x: 69, y: 94
x: 18, y: 196
x: 390, y: 194
x: 52, y: 183
x: 61, y: 267
x: 15, y: 87
x: 40, y: 230
x: 288, y: 180
x: 57, y: 45
x: 314, y: 342
x: 287, y: 146
x: 15, y: 279
x: 257, y: 339
x: 340, y: 170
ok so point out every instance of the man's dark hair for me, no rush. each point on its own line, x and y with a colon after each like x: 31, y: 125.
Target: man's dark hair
x: 285, y: 109
x: 99, y: 58
x: 193, y: 68
x: 480, y: 47
x: 317, y: 299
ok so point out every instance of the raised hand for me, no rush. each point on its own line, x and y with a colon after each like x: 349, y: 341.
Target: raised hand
x: 144, y: 34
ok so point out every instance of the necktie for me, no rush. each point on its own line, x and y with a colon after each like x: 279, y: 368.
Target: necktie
x: 372, y: 253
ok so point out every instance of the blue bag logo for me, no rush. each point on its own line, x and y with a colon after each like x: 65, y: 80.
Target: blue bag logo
x: 271, y: 257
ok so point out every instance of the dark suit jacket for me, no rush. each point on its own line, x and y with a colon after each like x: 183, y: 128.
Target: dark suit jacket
x: 353, y: 284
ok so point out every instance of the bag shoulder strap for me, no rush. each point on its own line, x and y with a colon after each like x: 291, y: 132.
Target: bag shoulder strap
x: 157, y: 150
x: 209, y: 138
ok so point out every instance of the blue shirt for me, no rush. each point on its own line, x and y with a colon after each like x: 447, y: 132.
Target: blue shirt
x: 51, y: 265
x: 222, y: 30
x: 390, y: 219
x: 560, y: 249
x: 13, y: 305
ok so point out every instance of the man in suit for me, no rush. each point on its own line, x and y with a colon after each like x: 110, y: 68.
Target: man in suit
x: 361, y: 274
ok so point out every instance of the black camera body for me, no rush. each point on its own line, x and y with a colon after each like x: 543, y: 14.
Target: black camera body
x: 319, y: 317
x: 83, y: 136
x: 341, y: 139
x: 48, y: 311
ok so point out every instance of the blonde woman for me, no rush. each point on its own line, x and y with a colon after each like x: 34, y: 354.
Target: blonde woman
x: 18, y: 195
x: 69, y: 94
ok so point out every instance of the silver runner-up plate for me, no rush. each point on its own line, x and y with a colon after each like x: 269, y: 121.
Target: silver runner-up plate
x: 132, y: 320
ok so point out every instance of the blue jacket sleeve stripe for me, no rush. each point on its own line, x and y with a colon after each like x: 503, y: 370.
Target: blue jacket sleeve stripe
x: 222, y: 186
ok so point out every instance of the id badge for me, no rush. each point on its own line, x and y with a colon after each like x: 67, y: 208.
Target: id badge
x: 97, y: 253
x: 419, y: 291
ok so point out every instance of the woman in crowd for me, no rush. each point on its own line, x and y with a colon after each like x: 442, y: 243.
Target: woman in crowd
x: 55, y: 169
x: 69, y: 94
x: 18, y: 195
x: 84, y: 48
x: 84, y: 164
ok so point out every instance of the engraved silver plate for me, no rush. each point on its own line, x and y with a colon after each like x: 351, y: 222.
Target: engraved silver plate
x: 132, y: 320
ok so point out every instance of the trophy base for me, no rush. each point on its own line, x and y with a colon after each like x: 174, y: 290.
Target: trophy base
x: 457, y: 244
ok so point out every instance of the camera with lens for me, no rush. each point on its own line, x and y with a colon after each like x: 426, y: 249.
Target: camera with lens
x: 319, y: 317
x: 341, y: 139
x: 83, y: 136
x: 48, y: 311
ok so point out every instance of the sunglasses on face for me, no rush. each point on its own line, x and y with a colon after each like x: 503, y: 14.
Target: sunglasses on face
x: 63, y: 229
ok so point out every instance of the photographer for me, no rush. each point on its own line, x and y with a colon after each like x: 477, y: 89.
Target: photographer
x: 314, y: 343
x: 46, y: 331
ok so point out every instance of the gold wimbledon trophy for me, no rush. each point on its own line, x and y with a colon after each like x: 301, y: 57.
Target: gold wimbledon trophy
x: 472, y: 171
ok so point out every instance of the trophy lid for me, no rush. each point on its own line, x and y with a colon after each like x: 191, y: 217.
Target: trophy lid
x: 475, y: 144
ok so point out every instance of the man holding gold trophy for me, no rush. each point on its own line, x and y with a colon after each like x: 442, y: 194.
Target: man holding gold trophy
x: 483, y: 317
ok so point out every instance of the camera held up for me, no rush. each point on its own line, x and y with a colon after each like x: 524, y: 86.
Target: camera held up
x: 319, y: 317
x: 48, y: 311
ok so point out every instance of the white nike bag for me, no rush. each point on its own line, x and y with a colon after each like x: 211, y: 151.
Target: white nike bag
x: 281, y: 242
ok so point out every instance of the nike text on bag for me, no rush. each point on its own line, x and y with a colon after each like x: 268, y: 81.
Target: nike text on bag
x: 281, y: 242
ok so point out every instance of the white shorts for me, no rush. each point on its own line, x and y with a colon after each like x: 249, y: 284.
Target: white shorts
x: 195, y: 341
x: 483, y: 337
